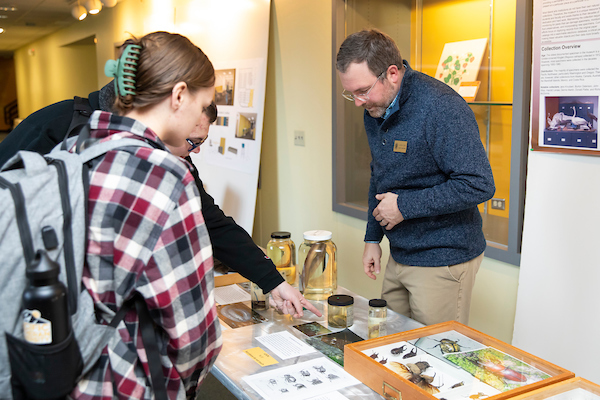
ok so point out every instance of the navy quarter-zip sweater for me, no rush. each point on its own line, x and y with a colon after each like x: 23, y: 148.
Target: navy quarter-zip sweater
x: 428, y: 151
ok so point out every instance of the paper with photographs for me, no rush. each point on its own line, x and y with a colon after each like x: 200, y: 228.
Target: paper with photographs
x: 301, y: 381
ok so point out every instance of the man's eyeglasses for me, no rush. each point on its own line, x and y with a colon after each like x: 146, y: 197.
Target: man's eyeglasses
x: 363, y: 96
x: 195, y: 144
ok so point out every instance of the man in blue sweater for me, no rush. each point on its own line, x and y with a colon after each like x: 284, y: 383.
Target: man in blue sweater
x: 429, y: 171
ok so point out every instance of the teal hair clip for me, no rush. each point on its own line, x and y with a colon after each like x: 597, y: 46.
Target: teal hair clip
x: 123, y: 70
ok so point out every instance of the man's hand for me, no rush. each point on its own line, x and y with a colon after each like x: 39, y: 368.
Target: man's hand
x: 289, y: 300
x: 372, y: 259
x: 387, y: 212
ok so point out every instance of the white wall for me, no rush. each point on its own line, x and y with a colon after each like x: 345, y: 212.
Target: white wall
x: 557, y: 315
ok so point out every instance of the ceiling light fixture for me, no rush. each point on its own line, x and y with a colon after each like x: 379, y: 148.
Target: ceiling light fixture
x: 93, y: 6
x: 1, y: 30
x: 109, y: 3
x: 78, y: 11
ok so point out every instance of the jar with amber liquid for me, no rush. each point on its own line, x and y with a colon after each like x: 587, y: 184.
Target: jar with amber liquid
x: 317, y: 265
x: 282, y: 251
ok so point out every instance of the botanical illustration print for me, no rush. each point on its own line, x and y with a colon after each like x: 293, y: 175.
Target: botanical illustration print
x: 497, y: 369
x: 454, y: 67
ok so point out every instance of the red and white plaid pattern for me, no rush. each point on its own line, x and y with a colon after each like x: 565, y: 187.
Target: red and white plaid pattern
x: 147, y: 235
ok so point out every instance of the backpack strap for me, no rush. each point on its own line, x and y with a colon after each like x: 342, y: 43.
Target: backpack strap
x: 147, y: 329
x: 82, y: 110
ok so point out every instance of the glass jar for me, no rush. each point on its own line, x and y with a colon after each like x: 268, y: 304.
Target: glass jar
x: 317, y: 265
x: 258, y: 298
x: 340, y: 311
x: 282, y: 251
x: 377, y: 320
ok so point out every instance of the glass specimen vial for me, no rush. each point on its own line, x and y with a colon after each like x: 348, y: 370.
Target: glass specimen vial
x: 377, y: 319
x: 258, y: 298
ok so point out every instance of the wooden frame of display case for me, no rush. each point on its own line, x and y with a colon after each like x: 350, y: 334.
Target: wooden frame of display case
x: 392, y: 386
x: 561, y: 387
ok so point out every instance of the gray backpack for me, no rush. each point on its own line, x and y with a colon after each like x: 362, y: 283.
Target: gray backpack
x: 44, y: 201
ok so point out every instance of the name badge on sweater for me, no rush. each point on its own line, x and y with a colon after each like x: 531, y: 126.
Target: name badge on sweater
x: 400, y: 146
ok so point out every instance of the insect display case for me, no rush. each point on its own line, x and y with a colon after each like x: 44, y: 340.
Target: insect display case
x: 448, y: 361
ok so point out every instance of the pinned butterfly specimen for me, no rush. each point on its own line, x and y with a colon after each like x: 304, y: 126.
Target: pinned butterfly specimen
x: 414, y: 373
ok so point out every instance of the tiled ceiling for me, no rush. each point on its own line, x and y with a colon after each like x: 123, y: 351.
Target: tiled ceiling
x: 25, y: 21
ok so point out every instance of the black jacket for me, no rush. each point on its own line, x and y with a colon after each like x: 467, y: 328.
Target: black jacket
x: 232, y: 245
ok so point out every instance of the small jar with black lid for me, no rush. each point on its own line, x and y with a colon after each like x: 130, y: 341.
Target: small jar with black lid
x: 377, y: 319
x: 282, y: 251
x: 340, y: 311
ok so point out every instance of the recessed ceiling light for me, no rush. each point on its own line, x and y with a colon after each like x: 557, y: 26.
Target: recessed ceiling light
x: 8, y: 8
x: 1, y: 30
x: 93, y: 6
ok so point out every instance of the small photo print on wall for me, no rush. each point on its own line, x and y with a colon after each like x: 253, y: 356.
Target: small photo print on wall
x: 246, y: 126
x: 224, y: 87
x: 571, y: 121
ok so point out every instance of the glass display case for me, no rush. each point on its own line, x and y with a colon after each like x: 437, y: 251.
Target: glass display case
x: 450, y: 361
x: 481, y: 48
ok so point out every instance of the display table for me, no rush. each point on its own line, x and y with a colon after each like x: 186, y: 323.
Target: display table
x: 233, y: 364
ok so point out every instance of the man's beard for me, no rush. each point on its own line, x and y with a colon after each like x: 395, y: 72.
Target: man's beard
x: 377, y: 110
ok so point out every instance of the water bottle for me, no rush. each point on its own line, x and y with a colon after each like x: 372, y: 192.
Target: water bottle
x: 45, y: 309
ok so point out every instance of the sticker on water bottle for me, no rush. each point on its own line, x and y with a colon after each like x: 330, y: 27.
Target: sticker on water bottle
x: 36, y: 329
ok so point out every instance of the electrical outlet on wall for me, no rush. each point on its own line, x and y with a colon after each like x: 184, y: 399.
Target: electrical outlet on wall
x: 299, y: 138
x: 497, y: 204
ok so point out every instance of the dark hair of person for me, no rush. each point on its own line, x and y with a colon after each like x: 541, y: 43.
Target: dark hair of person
x: 165, y: 59
x: 211, y: 112
x: 370, y: 45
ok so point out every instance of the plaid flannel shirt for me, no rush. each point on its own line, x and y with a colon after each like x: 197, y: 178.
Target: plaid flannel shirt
x: 147, y: 235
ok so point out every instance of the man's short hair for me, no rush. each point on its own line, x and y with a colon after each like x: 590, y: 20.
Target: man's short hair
x: 370, y: 45
x: 211, y: 112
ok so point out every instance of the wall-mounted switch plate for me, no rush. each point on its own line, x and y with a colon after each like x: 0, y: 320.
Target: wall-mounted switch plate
x: 299, y: 138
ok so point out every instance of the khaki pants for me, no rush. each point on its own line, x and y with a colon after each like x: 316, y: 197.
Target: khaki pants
x: 431, y: 294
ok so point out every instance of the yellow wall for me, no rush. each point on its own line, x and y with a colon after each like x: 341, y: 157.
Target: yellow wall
x: 451, y: 21
x: 296, y: 182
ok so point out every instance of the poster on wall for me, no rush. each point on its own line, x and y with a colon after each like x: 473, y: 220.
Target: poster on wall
x: 234, y: 138
x: 566, y: 76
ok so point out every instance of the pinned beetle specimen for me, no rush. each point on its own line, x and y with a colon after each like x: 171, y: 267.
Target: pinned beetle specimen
x: 316, y: 381
x: 412, y: 353
x: 283, y: 390
x: 299, y: 386
x: 448, y: 346
x: 289, y: 378
x: 374, y: 356
x: 305, y: 373
x: 414, y: 373
x: 398, y: 350
x: 457, y: 385
x: 272, y: 382
x: 383, y: 361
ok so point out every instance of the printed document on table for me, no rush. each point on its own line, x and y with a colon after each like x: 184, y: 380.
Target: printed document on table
x: 301, y: 381
x: 329, y: 396
x: 285, y: 345
x: 231, y: 294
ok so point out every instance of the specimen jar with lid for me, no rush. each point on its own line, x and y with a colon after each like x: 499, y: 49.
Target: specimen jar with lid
x: 282, y: 251
x: 317, y: 264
